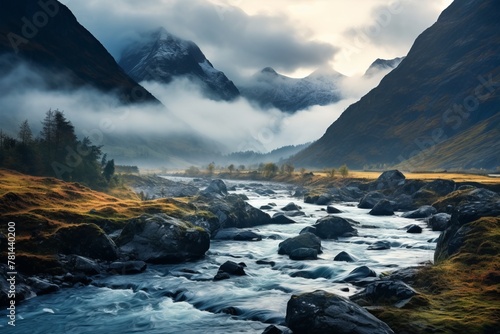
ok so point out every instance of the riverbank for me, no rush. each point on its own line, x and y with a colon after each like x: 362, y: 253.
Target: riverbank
x: 457, y: 294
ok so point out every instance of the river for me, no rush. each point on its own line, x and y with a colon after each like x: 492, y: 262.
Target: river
x: 184, y: 299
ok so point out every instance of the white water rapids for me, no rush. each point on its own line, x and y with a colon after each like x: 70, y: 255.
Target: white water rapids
x: 183, y: 298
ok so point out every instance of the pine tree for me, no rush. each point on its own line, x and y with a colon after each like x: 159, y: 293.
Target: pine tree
x: 25, y: 134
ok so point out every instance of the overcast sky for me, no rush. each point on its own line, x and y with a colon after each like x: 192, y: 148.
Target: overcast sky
x: 295, y: 37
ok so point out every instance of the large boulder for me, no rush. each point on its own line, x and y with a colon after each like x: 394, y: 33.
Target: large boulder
x: 439, y: 221
x: 422, y: 212
x: 382, y: 208
x: 466, y: 206
x: 359, y: 274
x: 281, y: 219
x: 332, y: 210
x: 291, y: 207
x: 87, y: 240
x: 163, y: 239
x: 237, y: 234
x: 440, y: 187
x: 228, y: 269
x: 344, y: 256
x: 387, y: 292
x: 389, y: 180
x: 305, y: 240
x: 320, y: 312
x: 232, y: 211
x: 370, y: 200
x: 216, y: 188
x: 304, y: 254
x: 333, y: 227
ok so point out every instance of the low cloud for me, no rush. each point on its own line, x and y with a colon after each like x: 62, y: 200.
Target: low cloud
x: 235, y: 42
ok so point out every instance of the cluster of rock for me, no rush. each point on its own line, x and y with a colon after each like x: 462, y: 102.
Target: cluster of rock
x: 85, y: 250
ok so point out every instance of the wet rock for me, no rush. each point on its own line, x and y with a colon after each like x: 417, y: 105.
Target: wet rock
x: 265, y: 262
x: 333, y: 227
x: 332, y: 210
x: 382, y: 208
x: 324, y: 199
x: 380, y: 245
x: 294, y: 214
x: 41, y: 286
x: 422, y: 212
x: 370, y: 200
x: 128, y: 267
x: 163, y: 239
x: 403, y: 202
x: 439, y: 221
x: 320, y: 312
x: 229, y: 268
x: 80, y: 264
x: 291, y: 207
x: 87, y: 240
x: 387, y: 292
x: 217, y: 188
x: 237, y: 234
x: 414, y: 229
x: 344, y: 256
x: 265, y: 207
x: 304, y: 254
x: 23, y: 290
x: 232, y: 211
x: 359, y: 274
x: 308, y: 229
x: 281, y: 219
x: 272, y: 329
x: 306, y: 240
x: 265, y: 192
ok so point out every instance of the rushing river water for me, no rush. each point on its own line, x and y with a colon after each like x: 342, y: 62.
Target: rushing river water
x: 184, y: 299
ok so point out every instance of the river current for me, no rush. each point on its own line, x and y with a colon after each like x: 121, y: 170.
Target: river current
x: 183, y: 298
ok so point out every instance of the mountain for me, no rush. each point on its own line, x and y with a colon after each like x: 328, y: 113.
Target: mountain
x: 161, y: 56
x: 382, y: 65
x: 47, y: 35
x: 252, y: 158
x: 39, y: 61
x: 272, y: 90
x: 440, y: 105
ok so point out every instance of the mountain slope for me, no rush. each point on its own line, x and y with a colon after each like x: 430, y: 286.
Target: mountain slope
x: 47, y: 35
x: 382, y: 65
x: 270, y: 89
x: 447, y: 85
x: 161, y: 56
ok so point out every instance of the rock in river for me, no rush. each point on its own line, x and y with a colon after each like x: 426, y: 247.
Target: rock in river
x: 163, y: 239
x: 320, y: 312
x: 332, y: 227
x: 306, y: 240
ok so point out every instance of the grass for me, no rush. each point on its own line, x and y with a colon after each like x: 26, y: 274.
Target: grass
x: 458, y: 295
x: 41, y: 206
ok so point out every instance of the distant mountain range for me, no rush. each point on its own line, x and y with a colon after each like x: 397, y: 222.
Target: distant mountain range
x: 438, y: 109
x: 160, y: 56
x: 272, y: 90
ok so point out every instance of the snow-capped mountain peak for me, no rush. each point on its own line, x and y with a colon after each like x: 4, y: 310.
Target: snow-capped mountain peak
x: 161, y: 56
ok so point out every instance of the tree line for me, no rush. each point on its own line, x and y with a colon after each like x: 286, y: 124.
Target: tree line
x: 56, y: 152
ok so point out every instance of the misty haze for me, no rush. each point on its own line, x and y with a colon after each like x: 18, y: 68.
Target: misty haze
x: 249, y: 166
